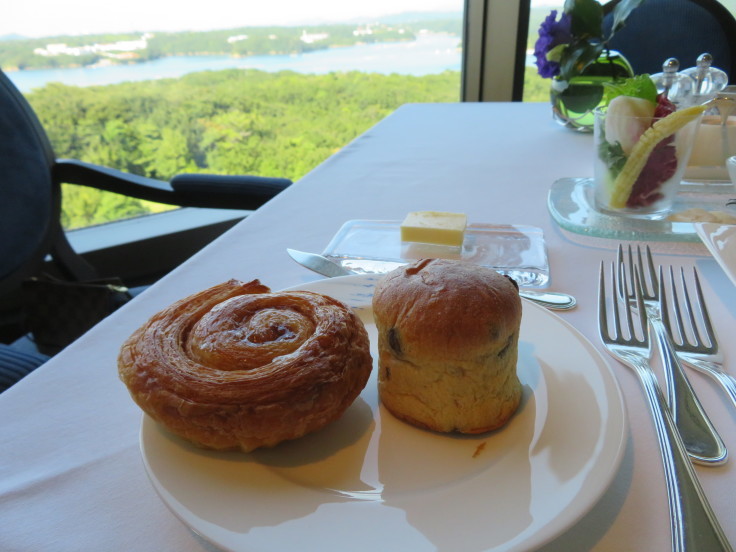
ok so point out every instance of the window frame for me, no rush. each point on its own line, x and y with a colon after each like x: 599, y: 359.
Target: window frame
x: 494, y: 49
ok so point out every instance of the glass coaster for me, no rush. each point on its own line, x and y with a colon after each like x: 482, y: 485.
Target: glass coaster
x: 375, y: 246
x: 571, y: 205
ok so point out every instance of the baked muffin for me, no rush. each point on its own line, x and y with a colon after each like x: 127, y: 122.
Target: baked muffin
x: 448, y: 334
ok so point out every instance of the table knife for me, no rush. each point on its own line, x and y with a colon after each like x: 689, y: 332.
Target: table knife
x: 322, y: 265
x: 318, y: 263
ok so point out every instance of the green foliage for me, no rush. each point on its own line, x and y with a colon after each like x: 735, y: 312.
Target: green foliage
x: 639, y: 86
x: 613, y: 157
x: 86, y: 206
x: 587, y: 39
x: 586, y: 17
x: 621, y: 12
x: 224, y: 122
x: 536, y: 89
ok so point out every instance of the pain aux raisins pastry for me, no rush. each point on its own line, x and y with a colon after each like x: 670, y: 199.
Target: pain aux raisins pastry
x: 238, y: 367
x: 448, y: 336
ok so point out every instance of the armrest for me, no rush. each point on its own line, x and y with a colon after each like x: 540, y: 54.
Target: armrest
x: 235, y: 192
x: 186, y: 190
x: 72, y: 171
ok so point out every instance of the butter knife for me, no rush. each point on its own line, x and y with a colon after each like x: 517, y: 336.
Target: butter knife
x: 322, y: 265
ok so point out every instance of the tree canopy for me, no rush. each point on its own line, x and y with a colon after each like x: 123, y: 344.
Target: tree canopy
x: 221, y: 122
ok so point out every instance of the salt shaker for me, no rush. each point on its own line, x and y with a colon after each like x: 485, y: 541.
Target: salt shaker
x: 707, y: 80
x: 675, y: 86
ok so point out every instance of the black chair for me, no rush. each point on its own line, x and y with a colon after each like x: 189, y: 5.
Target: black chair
x: 30, y: 205
x: 683, y: 29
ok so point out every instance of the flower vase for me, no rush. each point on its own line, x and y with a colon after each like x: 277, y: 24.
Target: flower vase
x: 574, y: 101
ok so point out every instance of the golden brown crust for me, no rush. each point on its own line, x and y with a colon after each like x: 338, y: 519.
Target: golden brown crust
x: 238, y: 367
x: 448, y: 343
x: 445, y: 308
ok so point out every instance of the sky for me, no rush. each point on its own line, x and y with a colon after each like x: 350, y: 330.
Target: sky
x: 93, y: 16
x: 71, y: 17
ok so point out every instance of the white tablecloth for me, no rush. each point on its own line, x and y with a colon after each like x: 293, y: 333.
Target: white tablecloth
x: 71, y: 475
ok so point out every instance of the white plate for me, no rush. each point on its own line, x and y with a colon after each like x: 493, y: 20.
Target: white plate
x: 720, y: 239
x: 372, y: 482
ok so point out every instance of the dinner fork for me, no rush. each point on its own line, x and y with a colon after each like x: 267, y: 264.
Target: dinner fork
x: 693, y: 524
x: 702, y: 354
x: 701, y: 439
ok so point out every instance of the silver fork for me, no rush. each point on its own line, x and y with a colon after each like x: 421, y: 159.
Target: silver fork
x: 701, y: 354
x: 701, y: 439
x: 693, y: 524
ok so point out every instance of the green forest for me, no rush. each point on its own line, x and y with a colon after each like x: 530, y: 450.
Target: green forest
x: 224, y: 122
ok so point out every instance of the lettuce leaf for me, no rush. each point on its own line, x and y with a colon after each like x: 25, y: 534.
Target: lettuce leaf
x: 640, y: 86
x: 613, y: 156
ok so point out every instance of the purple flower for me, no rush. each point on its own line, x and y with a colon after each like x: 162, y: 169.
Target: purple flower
x: 551, y: 33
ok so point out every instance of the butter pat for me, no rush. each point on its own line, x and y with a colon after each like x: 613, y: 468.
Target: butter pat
x: 434, y: 227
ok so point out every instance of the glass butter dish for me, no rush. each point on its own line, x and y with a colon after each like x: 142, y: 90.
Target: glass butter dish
x: 375, y: 246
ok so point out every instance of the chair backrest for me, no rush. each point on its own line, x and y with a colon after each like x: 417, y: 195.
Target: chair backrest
x: 29, y: 199
x: 683, y: 29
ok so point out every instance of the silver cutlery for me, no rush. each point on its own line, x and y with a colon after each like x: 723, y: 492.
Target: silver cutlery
x: 701, y: 439
x: 320, y: 264
x: 700, y: 351
x: 693, y: 524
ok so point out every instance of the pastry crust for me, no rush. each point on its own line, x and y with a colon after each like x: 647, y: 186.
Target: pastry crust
x: 448, y: 342
x: 238, y: 367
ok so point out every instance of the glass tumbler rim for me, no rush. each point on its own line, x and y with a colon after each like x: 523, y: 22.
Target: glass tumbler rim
x: 602, y: 110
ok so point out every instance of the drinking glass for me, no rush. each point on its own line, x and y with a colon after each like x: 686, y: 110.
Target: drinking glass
x: 715, y: 141
x: 714, y: 144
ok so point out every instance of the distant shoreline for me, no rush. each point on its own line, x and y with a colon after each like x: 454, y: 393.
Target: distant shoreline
x: 72, y: 51
x: 430, y: 53
x: 108, y: 62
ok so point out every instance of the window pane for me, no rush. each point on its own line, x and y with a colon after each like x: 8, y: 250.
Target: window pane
x: 270, y: 90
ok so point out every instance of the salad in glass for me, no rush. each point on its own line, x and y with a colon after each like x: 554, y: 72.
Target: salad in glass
x: 642, y: 146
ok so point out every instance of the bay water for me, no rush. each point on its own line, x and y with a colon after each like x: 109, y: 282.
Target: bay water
x: 430, y: 53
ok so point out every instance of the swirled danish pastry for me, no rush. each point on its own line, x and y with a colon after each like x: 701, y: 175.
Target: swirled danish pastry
x: 238, y: 367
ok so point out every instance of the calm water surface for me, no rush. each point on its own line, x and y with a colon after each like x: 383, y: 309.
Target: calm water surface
x: 429, y: 54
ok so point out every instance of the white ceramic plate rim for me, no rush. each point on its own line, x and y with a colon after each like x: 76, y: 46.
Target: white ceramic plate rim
x: 720, y: 239
x: 537, y: 477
